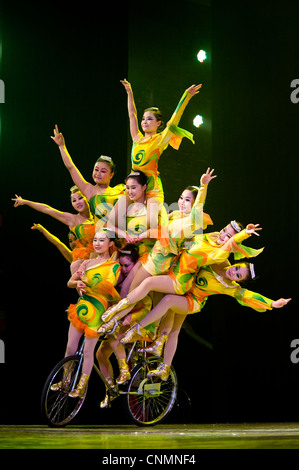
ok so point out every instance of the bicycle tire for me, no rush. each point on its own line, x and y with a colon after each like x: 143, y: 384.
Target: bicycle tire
x: 149, y: 400
x: 57, y: 408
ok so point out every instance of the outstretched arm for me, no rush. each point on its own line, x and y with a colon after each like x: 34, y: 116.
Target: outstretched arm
x: 64, y: 217
x: 85, y: 187
x: 134, y: 129
x: 64, y: 250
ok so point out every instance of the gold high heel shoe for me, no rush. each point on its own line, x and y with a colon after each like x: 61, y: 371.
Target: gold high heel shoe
x: 124, y: 372
x: 162, y: 371
x: 79, y: 391
x: 134, y: 333
x: 156, y: 347
x: 111, y: 311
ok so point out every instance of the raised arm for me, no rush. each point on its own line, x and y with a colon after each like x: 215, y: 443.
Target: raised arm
x: 65, y: 217
x: 86, y: 188
x: 173, y: 134
x: 134, y: 129
x: 204, y: 182
x: 187, y: 95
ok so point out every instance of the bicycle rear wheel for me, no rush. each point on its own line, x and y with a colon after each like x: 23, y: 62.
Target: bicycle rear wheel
x: 149, y: 400
x: 57, y: 408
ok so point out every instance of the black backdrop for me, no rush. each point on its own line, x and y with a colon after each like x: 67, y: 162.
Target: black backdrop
x: 63, y: 65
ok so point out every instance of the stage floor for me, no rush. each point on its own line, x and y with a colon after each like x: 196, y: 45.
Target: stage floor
x: 190, y: 436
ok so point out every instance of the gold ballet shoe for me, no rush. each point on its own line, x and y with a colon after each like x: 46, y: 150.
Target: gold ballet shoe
x: 79, y: 391
x: 124, y: 372
x: 162, y: 371
x: 111, y: 311
x: 108, y: 397
x: 134, y: 333
x: 109, y: 327
x: 156, y: 347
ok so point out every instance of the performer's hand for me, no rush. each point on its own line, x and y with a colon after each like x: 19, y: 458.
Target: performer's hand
x: 251, y: 229
x: 19, y: 201
x: 280, y: 303
x: 38, y: 227
x: 207, y: 176
x: 194, y: 89
x: 126, y: 84
x: 58, y: 137
x: 81, y: 287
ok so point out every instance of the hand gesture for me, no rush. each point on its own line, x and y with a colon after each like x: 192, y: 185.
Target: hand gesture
x: 19, y: 201
x: 194, y: 89
x: 251, y: 229
x: 207, y: 176
x: 127, y: 85
x: 81, y: 287
x: 58, y: 137
x: 280, y: 303
x: 38, y: 227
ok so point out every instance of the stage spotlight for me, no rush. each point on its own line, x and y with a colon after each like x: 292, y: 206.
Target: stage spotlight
x: 201, y: 56
x: 197, y: 121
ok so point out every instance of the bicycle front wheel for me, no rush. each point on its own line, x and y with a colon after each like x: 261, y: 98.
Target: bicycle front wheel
x: 149, y: 399
x: 57, y: 408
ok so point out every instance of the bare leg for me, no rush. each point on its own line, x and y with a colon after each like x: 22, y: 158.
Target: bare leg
x: 73, y: 341
x: 139, y: 277
x: 103, y: 354
x: 89, y: 346
x: 163, y: 283
x: 177, y: 303
x: 172, y: 340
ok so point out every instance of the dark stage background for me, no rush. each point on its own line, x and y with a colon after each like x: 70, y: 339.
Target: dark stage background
x: 63, y: 65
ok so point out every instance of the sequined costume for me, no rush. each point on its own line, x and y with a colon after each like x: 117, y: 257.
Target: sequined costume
x: 100, y: 280
x: 84, y: 234
x: 210, y: 282
x: 102, y: 204
x: 146, y: 151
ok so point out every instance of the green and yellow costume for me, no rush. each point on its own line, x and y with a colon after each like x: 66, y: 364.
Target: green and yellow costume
x: 210, y: 282
x: 100, y: 281
x: 146, y: 151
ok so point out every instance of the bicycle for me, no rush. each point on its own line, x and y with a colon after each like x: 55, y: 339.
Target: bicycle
x: 148, y: 400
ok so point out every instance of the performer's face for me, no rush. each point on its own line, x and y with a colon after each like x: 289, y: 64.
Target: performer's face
x: 186, y: 201
x: 149, y: 122
x: 135, y: 190
x: 225, y: 234
x: 126, y: 264
x: 237, y: 272
x: 72, y: 239
x: 102, y: 173
x: 79, y: 202
x: 101, y: 242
